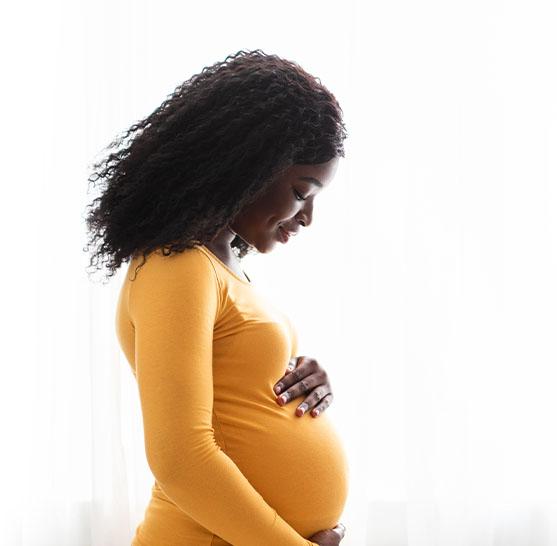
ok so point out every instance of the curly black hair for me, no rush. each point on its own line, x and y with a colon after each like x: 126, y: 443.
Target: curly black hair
x: 215, y: 144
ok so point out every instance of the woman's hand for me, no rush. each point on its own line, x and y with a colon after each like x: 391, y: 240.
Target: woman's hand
x: 329, y: 537
x: 304, y: 374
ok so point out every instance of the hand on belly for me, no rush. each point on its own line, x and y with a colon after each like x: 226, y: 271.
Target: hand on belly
x: 305, y: 375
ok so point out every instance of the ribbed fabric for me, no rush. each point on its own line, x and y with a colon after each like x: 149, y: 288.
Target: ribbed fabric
x: 231, y: 466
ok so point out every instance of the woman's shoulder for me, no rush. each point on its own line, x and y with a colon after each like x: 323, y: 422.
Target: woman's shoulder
x: 187, y: 263
x: 168, y: 284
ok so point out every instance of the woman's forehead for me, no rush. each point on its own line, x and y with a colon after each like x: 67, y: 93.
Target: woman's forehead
x: 318, y: 175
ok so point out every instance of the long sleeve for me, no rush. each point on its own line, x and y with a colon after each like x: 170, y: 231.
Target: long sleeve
x: 174, y: 303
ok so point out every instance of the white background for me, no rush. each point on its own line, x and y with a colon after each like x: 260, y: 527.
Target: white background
x: 426, y: 285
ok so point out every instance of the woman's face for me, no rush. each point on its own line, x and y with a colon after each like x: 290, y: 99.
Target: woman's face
x: 282, y: 205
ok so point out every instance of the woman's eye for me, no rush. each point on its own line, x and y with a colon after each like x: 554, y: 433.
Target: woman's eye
x: 299, y: 196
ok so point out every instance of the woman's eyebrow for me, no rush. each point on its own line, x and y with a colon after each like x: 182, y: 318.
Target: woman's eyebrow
x: 312, y: 180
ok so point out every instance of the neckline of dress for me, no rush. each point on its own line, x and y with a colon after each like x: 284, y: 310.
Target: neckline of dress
x: 231, y: 271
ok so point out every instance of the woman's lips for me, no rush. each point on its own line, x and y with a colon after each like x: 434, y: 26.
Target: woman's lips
x: 283, y: 236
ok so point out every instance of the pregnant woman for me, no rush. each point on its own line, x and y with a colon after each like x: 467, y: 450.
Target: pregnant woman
x: 231, y: 163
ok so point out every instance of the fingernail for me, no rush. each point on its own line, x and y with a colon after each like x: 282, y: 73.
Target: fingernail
x: 278, y: 388
x: 284, y: 397
x: 316, y: 412
x: 303, y: 408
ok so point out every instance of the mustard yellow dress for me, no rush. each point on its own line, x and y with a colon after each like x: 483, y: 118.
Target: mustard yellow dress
x: 231, y: 466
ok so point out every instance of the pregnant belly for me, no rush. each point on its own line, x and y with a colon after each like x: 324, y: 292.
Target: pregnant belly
x: 297, y: 464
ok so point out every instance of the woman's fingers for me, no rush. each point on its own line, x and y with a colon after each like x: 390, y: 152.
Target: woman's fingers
x: 297, y: 383
x: 319, y: 408
x: 340, y: 529
x: 294, y: 372
x: 305, y: 376
x: 291, y: 365
x: 303, y: 367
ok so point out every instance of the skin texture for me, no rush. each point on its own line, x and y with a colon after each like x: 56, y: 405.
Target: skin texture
x: 258, y: 222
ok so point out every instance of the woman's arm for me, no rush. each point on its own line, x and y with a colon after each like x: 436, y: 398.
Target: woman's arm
x: 173, y: 305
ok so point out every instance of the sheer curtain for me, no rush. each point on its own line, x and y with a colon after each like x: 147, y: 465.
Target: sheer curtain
x: 425, y: 286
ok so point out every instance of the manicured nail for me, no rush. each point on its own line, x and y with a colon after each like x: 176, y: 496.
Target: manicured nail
x: 278, y: 388
x: 284, y: 397
x: 316, y: 412
x: 303, y: 408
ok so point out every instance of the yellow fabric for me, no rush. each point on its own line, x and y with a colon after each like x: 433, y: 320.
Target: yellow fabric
x: 231, y: 466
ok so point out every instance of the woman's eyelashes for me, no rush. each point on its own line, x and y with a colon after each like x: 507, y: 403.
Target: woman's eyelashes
x: 299, y: 196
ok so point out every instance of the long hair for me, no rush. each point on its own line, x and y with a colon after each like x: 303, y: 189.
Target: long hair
x: 213, y: 146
